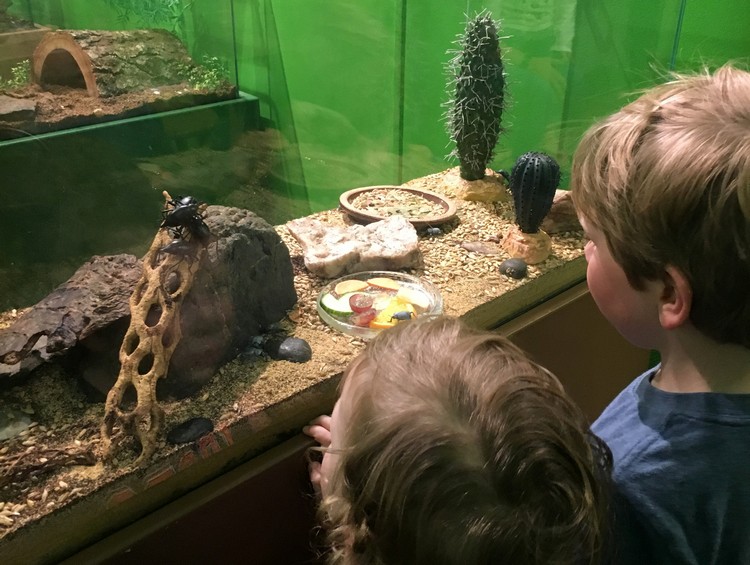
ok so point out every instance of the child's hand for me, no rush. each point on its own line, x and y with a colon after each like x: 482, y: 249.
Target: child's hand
x: 320, y: 430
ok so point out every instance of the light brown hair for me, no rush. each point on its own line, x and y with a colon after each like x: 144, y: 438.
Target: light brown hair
x: 461, y: 450
x: 667, y: 181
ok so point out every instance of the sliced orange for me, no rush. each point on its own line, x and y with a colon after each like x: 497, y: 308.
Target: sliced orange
x: 384, y: 282
x: 385, y: 318
x: 377, y: 325
x: 351, y: 285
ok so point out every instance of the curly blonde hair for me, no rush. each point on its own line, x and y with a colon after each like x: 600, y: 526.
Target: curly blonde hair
x: 667, y: 181
x: 459, y: 449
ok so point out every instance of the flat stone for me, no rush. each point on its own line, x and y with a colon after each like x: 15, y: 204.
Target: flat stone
x: 562, y: 217
x: 16, y: 109
x: 332, y: 251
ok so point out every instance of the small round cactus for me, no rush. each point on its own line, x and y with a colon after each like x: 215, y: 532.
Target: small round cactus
x: 473, y: 116
x: 533, y: 182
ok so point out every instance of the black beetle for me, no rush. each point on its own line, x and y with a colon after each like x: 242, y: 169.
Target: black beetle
x: 182, y: 214
x: 403, y: 315
x: 181, y: 248
x: 183, y: 209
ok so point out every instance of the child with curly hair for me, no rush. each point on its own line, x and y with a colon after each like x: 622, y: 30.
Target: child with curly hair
x: 449, y: 446
x: 662, y: 188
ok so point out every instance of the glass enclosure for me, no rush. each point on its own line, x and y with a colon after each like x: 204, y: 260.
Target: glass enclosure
x: 329, y: 95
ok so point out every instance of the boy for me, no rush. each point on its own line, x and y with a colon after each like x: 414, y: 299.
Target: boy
x: 662, y: 189
x: 448, y: 446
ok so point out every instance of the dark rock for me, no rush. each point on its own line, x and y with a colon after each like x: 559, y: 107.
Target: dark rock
x: 246, y: 286
x: 190, y: 430
x: 515, y: 268
x: 288, y: 349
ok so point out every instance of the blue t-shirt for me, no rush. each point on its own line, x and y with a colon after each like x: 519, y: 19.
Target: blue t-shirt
x: 682, y: 475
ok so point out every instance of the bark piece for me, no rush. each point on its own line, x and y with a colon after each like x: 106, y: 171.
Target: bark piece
x: 108, y: 63
x: 87, y: 302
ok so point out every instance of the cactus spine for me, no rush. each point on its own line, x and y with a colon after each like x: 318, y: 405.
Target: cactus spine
x: 533, y: 182
x: 473, y: 116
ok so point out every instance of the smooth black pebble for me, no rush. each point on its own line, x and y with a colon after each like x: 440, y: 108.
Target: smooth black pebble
x: 292, y: 349
x: 515, y: 268
x: 190, y: 430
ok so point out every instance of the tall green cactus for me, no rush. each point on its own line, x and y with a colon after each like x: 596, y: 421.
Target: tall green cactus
x: 473, y: 116
x: 533, y: 182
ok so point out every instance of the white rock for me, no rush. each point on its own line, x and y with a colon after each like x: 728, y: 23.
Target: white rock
x: 332, y: 251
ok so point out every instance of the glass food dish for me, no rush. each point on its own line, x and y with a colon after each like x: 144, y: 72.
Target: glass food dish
x: 362, y: 304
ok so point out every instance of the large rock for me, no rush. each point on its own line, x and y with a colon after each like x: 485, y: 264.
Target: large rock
x: 247, y: 285
x: 332, y: 251
x: 244, y: 286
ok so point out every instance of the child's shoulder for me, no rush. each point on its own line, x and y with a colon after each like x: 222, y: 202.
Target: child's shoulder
x: 620, y: 424
x: 645, y: 424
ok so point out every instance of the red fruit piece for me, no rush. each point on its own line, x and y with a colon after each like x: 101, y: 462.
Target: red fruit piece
x: 363, y: 319
x: 360, y: 302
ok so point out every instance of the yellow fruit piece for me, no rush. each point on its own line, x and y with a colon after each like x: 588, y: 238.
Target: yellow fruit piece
x: 413, y: 296
x: 352, y: 285
x: 385, y: 318
x: 384, y: 282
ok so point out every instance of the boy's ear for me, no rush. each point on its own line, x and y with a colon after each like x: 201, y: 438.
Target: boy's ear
x: 676, y: 299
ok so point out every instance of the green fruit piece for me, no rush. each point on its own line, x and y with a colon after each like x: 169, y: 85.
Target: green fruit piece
x: 337, y: 306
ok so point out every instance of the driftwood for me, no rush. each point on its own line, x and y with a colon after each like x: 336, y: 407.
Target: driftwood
x: 19, y: 467
x: 79, y: 308
x: 108, y: 63
x: 153, y: 334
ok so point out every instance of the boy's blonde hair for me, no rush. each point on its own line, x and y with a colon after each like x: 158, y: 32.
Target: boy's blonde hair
x: 667, y: 180
x: 461, y: 450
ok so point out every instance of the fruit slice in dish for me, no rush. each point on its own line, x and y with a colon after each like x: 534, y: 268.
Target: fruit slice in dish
x: 351, y: 285
x: 414, y: 296
x: 337, y: 306
x: 392, y: 314
x: 384, y: 282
